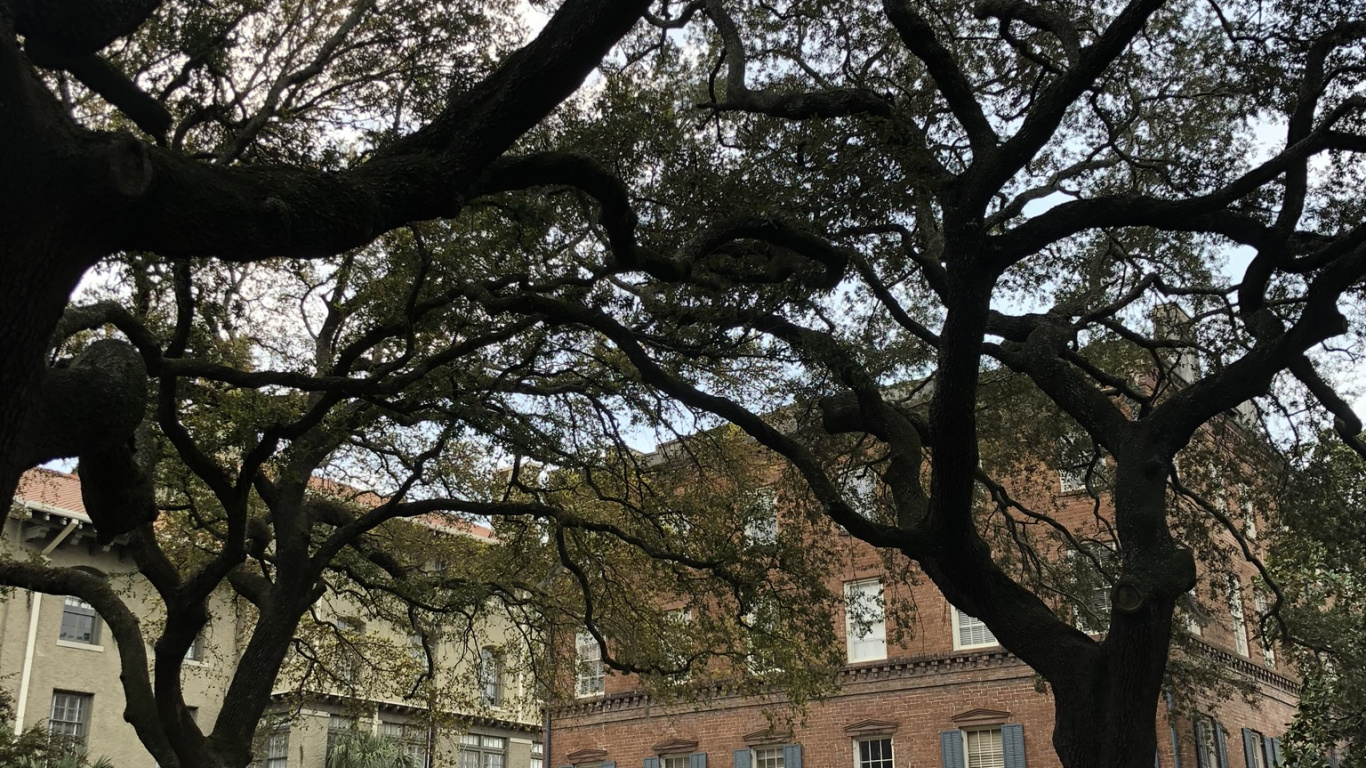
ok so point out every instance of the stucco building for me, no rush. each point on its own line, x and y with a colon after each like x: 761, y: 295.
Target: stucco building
x: 62, y: 670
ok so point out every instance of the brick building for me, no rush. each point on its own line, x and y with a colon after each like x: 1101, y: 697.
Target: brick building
x: 949, y: 695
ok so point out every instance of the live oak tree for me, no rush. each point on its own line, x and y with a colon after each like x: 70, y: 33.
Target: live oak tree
x: 324, y: 435
x: 888, y: 203
x: 1318, y: 563
x: 873, y: 206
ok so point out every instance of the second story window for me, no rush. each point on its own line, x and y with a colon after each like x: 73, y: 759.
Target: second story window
x: 873, y: 753
x: 80, y: 623
x: 1235, y: 610
x: 760, y: 509
x: 970, y: 632
x: 865, y: 621
x: 490, y: 678
x: 588, y: 674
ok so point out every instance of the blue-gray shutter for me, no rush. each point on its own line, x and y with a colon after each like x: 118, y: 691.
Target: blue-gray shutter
x: 1276, y: 759
x: 1250, y: 747
x: 1157, y: 758
x: 792, y: 756
x: 741, y: 758
x: 1222, y: 743
x: 651, y: 762
x: 1012, y: 744
x: 1201, y: 728
x: 951, y: 745
x: 697, y: 760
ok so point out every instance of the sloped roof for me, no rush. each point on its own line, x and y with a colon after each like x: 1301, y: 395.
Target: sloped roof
x: 48, y: 490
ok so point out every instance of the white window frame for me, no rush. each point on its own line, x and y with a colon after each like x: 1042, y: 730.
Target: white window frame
x: 772, y: 755
x: 1249, y: 511
x: 674, y: 761
x: 491, y: 689
x: 958, y: 616
x: 887, y: 762
x: 589, y: 677
x: 864, y: 608
x: 762, y: 525
x: 860, y: 486
x: 1236, y: 613
x: 1210, y: 747
x: 1268, y: 651
x: 993, y: 759
x: 537, y: 755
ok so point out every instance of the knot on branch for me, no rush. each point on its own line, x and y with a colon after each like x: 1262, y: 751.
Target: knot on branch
x: 1154, y: 579
x: 91, y: 409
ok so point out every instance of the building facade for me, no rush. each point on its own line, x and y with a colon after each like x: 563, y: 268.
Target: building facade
x: 63, y: 671
x: 947, y: 694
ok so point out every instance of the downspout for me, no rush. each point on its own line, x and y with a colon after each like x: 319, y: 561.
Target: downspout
x: 35, y: 601
x: 1176, y: 740
x: 545, y: 702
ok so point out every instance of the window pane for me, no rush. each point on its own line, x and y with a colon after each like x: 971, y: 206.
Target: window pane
x: 768, y: 757
x: 971, y: 631
x: 865, y: 623
x: 875, y: 753
x: 984, y: 748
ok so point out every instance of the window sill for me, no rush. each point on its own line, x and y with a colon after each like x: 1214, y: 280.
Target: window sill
x: 80, y: 646
x: 978, y: 647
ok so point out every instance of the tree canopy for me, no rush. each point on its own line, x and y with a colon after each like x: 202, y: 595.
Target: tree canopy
x: 861, y: 235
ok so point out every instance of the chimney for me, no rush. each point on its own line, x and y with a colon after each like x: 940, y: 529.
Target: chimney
x: 1173, y: 325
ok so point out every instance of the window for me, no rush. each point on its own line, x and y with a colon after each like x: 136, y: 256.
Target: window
x: 196, y: 649
x: 479, y: 751
x: 412, y: 737
x: 275, y: 751
x: 970, y: 632
x: 860, y: 487
x: 80, y: 623
x: 1000, y: 746
x: 1235, y: 610
x: 1075, y: 459
x: 537, y: 755
x: 349, y: 661
x: 337, y: 728
x: 983, y: 748
x: 1255, y: 749
x: 490, y: 678
x: 768, y: 757
x: 1249, y: 511
x: 674, y: 761
x: 588, y: 676
x: 865, y: 621
x: 69, y: 726
x: 761, y: 519
x: 1268, y: 651
x: 873, y: 753
x: 678, y: 642
x: 1211, y: 750
x: 1091, y: 588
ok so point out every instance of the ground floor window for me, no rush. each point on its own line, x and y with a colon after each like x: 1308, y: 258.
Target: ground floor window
x: 983, y: 748
x: 768, y: 757
x: 873, y: 753
x: 274, y: 752
x: 537, y: 755
x: 69, y: 725
x: 479, y: 751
